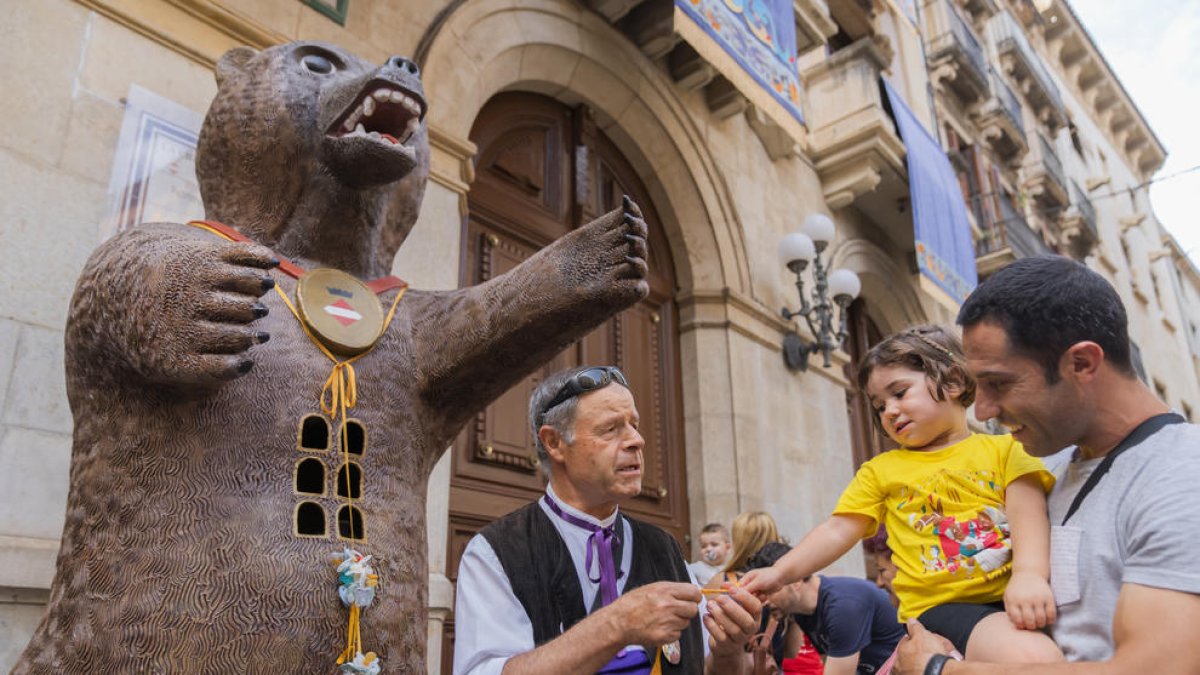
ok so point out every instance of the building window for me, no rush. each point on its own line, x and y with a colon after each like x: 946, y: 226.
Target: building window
x: 1075, y: 142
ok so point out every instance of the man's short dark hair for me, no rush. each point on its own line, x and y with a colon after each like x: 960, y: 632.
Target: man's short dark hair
x: 1045, y: 305
x: 768, y: 555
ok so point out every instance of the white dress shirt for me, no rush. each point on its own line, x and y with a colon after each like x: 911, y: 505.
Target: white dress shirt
x: 490, y: 624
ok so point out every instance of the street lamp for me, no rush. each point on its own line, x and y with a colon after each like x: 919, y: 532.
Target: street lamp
x: 796, y: 251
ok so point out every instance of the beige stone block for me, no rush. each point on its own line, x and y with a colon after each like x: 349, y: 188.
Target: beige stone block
x: 313, y: 25
x: 548, y: 64
x: 437, y: 518
x: 9, y: 330
x: 501, y: 72
x: 17, y: 623
x: 395, y: 28
x: 40, y: 51
x: 572, y: 11
x: 33, y: 486
x: 49, y: 224
x: 598, y: 43
x: 27, y: 563
x: 452, y: 84
x: 37, y: 389
x: 279, y: 16
x: 91, y: 137
x: 549, y: 23
x: 114, y: 57
x: 499, y: 32
x: 429, y: 257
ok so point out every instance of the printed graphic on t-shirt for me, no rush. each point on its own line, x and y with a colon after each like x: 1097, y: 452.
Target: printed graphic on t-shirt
x: 963, y: 529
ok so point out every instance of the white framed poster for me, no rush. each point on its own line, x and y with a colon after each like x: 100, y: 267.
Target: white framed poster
x: 154, y: 168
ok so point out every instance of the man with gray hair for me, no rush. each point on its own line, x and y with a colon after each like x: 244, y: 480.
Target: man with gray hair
x: 568, y: 584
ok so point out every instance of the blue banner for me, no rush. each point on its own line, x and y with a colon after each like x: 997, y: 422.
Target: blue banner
x: 760, y: 36
x: 945, y: 246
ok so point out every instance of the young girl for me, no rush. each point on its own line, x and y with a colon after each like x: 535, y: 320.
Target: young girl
x: 965, y: 513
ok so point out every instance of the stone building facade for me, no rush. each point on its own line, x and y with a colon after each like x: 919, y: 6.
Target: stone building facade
x: 541, y: 111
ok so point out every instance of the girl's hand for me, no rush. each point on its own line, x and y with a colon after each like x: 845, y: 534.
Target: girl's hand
x: 763, y: 582
x: 1029, y: 601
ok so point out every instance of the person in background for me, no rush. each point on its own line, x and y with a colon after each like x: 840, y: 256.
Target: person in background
x: 751, y: 531
x: 715, y: 547
x: 849, y: 620
x: 885, y: 567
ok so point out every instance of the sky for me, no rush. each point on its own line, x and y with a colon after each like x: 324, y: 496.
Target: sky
x: 1154, y: 47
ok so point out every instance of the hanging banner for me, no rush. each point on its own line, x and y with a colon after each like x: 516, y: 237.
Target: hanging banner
x: 752, y: 43
x: 945, y: 246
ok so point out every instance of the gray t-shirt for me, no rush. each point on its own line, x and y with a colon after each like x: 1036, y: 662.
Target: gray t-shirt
x: 1137, y: 526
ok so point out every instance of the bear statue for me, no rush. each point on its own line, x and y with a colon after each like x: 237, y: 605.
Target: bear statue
x: 212, y: 476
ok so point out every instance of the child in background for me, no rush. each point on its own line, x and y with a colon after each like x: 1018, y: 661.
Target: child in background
x: 965, y: 513
x: 715, y: 546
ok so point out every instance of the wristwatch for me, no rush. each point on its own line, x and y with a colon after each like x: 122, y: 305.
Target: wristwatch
x: 936, y: 663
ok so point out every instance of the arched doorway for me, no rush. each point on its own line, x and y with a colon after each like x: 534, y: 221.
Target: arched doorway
x: 543, y: 169
x: 867, y: 439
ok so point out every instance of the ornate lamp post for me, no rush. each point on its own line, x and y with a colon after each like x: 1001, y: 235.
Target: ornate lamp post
x: 796, y: 251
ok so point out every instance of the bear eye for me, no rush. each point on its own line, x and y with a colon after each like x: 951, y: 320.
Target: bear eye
x: 317, y: 64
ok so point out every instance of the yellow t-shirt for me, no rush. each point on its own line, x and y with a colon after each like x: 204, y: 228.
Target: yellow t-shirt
x: 944, y: 512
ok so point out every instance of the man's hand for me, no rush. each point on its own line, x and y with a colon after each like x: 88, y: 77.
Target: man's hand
x: 655, y: 614
x: 732, y: 619
x: 1029, y: 601
x: 917, y: 648
x: 763, y: 582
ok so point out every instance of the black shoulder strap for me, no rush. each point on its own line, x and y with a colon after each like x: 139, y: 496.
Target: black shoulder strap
x: 1143, y: 431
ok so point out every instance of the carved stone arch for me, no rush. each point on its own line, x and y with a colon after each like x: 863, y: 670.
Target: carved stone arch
x: 561, y: 50
x: 892, y: 302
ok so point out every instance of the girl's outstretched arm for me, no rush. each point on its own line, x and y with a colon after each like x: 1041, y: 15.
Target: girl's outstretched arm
x: 824, y: 544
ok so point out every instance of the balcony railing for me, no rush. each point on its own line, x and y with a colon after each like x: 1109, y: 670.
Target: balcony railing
x: 1011, y: 233
x: 954, y: 40
x: 1043, y: 93
x: 1084, y: 207
x: 1008, y: 102
x: 1051, y: 162
x: 965, y: 36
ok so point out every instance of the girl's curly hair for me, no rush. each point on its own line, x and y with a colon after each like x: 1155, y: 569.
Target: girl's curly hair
x: 928, y: 349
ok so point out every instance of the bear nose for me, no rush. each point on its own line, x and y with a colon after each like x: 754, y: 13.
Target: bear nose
x: 404, y: 64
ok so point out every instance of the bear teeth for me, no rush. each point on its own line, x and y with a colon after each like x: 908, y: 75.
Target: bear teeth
x: 367, y: 107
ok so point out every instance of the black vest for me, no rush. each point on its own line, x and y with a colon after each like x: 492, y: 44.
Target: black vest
x: 543, y: 578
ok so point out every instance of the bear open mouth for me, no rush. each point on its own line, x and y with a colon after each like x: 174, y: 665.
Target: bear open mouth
x: 384, y: 112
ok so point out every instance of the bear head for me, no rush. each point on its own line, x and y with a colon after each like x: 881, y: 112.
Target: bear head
x: 305, y: 135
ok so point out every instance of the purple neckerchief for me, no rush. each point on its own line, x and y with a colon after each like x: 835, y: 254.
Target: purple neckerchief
x: 602, y: 540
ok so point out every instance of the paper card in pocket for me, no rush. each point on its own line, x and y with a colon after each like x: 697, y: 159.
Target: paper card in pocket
x: 1065, y: 542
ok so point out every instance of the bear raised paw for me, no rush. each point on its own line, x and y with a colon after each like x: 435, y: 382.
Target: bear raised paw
x: 204, y: 502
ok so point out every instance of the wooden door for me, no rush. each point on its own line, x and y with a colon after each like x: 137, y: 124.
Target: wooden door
x: 866, y: 438
x: 542, y: 170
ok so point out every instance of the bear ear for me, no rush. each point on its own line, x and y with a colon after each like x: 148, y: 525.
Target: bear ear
x: 233, y: 62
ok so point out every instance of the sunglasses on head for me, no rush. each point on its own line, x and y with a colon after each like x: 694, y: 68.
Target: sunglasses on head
x: 584, y: 381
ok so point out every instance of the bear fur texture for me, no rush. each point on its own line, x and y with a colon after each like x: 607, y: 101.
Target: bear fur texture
x: 188, y: 379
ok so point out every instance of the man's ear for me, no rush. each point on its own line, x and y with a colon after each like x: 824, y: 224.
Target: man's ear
x: 553, y: 441
x: 1081, y: 361
x: 233, y: 62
